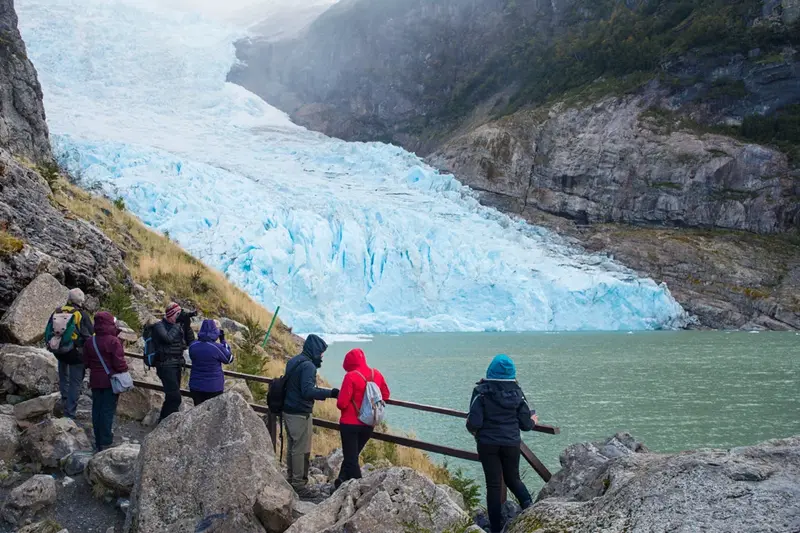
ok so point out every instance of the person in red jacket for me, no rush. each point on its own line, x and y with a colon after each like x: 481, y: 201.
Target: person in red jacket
x: 104, y: 401
x: 355, y: 433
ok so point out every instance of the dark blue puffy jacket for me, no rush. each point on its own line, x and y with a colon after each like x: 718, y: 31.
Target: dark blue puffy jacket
x: 207, y: 357
x: 498, y: 411
x: 301, y: 386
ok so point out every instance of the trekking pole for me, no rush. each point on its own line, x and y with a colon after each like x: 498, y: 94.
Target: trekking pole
x: 269, y: 330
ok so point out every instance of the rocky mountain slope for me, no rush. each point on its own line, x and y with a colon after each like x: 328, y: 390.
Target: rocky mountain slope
x: 626, y: 125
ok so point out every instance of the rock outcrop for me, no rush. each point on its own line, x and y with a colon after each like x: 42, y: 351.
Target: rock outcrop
x: 37, y: 236
x: 113, y: 469
x: 27, y: 371
x: 25, y: 320
x: 29, y: 498
x: 23, y: 129
x: 391, y: 501
x: 210, y: 467
x: 610, y: 487
x: 53, y: 439
x: 561, y: 161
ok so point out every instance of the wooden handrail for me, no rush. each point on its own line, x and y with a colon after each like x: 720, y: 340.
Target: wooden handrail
x: 540, y: 428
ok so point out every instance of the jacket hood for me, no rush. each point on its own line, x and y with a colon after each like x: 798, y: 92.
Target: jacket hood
x: 104, y: 324
x: 501, y: 367
x: 507, y: 394
x: 313, y: 348
x: 209, y: 332
x: 355, y: 360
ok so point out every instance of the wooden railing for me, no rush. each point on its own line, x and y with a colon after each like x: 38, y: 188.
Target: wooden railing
x: 272, y: 424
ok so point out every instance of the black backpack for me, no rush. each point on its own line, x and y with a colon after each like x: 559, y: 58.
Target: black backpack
x: 150, y: 350
x: 276, y: 395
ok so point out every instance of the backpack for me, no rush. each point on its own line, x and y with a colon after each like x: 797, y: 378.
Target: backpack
x: 276, y: 395
x: 62, y: 330
x: 149, y: 351
x: 373, y: 408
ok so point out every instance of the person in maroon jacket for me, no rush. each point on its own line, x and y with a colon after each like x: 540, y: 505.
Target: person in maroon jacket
x: 104, y: 401
x: 355, y: 434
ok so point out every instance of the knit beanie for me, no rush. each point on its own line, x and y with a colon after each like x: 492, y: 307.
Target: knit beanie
x: 172, y: 312
x: 76, y: 297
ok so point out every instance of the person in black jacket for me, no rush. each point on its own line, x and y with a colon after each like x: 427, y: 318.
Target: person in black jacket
x: 301, y: 393
x: 498, y: 411
x: 171, y: 336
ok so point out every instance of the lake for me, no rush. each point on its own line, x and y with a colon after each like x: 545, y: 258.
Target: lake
x: 672, y: 390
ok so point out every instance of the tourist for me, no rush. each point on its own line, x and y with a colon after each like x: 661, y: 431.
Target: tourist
x: 170, y: 337
x: 355, y: 433
x: 301, y: 392
x: 67, y: 331
x: 498, y: 411
x: 107, y: 346
x: 207, y: 379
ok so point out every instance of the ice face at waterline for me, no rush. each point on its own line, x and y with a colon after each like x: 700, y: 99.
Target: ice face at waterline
x: 346, y: 237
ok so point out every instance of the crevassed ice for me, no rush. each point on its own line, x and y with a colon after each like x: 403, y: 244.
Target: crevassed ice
x: 346, y: 237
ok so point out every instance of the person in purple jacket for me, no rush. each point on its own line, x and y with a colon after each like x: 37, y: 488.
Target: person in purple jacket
x: 207, y: 380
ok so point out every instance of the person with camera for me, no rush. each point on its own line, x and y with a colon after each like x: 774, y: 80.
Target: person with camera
x: 171, y: 336
x: 208, y: 353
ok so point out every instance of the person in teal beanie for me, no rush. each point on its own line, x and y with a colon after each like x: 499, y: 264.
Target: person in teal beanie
x: 498, y: 411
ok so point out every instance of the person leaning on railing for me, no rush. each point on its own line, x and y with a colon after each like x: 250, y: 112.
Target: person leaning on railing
x: 207, y: 379
x: 498, y: 411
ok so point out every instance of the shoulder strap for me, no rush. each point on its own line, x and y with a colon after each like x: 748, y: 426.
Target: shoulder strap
x: 102, y: 361
x: 362, y: 375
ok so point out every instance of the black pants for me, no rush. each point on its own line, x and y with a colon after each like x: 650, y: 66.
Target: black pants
x: 199, y: 397
x: 104, y: 407
x: 170, y: 377
x: 354, y: 438
x: 501, y: 463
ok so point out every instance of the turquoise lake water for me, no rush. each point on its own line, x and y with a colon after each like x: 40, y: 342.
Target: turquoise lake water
x: 672, y: 390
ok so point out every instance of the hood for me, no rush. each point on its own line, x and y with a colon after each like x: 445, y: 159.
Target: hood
x: 355, y: 360
x: 104, y: 324
x: 313, y: 348
x: 209, y: 332
x: 501, y: 367
x: 507, y: 394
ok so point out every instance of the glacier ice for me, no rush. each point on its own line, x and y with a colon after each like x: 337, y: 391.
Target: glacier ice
x: 346, y: 237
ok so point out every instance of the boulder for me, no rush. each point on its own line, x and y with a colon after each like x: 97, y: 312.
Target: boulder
x: 9, y: 437
x: 240, y: 387
x: 113, y: 469
x: 583, y: 465
x: 30, y: 497
x: 329, y: 465
x: 126, y: 333
x: 45, y: 526
x: 232, y: 326
x: 41, y: 405
x: 75, y: 463
x: 137, y: 403
x: 24, y: 322
x: 30, y: 371
x: 210, y: 468
x: 389, y: 501
x: 7, y: 409
x: 51, y: 440
x: 751, y: 489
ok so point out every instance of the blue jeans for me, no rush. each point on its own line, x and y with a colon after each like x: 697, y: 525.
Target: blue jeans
x: 70, y: 379
x: 104, y: 407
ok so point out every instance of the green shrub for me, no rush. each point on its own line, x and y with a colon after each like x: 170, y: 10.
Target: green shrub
x: 119, y: 203
x: 9, y: 245
x: 119, y: 303
x: 468, y: 487
x: 250, y: 357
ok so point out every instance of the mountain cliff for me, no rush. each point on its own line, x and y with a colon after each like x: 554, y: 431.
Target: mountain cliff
x: 663, y: 133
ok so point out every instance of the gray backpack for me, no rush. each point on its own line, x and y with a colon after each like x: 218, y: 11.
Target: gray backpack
x: 373, y: 407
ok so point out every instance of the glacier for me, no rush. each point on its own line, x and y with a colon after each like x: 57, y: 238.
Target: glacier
x: 346, y: 237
